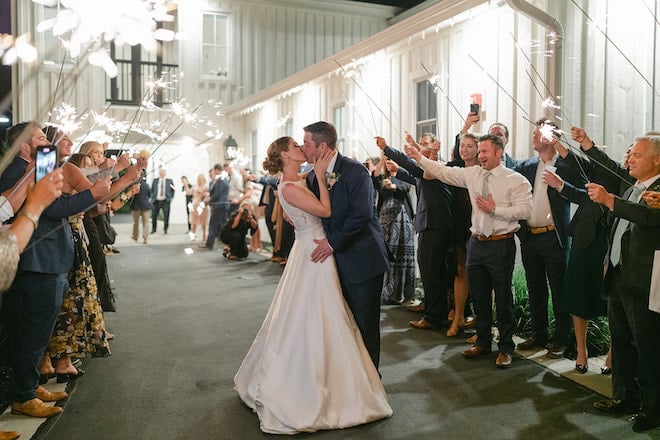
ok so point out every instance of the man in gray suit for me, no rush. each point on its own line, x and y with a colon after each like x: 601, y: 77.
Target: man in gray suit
x: 634, y: 240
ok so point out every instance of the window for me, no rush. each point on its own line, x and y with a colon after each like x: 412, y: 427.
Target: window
x: 288, y: 128
x: 254, y: 151
x: 137, y: 66
x: 50, y: 48
x: 339, y: 118
x: 215, y: 45
x: 427, y: 109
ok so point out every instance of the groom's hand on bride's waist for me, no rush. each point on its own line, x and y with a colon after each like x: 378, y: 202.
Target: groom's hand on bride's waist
x: 322, y: 251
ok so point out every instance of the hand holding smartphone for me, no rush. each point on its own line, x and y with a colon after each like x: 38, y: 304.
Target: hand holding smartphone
x: 46, y: 161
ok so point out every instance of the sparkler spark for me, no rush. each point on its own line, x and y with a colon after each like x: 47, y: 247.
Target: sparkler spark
x: 83, y: 24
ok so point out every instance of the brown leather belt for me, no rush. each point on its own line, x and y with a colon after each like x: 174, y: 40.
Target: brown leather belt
x: 541, y: 229
x: 492, y: 237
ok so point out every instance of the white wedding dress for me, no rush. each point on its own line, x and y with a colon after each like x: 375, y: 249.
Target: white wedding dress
x: 308, y: 368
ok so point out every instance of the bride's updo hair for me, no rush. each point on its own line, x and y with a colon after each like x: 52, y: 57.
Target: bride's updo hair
x: 273, y: 162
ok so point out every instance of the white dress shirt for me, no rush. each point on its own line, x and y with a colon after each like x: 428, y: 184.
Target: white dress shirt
x: 541, y: 211
x: 511, y: 192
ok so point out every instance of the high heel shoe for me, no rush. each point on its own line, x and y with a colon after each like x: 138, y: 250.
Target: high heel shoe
x: 68, y: 377
x: 606, y: 371
x: 581, y: 368
x: 44, y: 378
x: 455, y: 330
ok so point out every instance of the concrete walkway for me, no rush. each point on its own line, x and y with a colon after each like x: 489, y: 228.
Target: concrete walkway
x: 186, y: 317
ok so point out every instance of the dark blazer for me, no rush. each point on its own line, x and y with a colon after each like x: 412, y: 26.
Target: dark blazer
x: 50, y: 249
x: 638, y: 244
x: 401, y: 180
x: 434, y: 198
x: 353, y: 230
x: 142, y: 200
x: 169, y: 189
x: 639, y: 241
x: 559, y: 206
x: 219, y: 193
x: 589, y: 216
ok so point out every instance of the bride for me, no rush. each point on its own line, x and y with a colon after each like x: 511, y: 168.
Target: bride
x: 308, y: 368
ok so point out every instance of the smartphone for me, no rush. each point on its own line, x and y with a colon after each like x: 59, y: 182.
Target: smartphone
x: 46, y: 161
x: 474, y: 108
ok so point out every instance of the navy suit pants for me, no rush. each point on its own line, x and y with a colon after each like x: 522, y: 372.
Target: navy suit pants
x: 35, y: 300
x: 490, y: 268
x: 364, y: 301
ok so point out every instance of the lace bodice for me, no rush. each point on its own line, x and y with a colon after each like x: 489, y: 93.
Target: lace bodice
x: 307, y: 226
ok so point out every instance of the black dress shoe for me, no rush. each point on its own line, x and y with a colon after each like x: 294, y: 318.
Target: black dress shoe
x: 555, y: 351
x: 581, y: 368
x: 531, y: 343
x: 614, y: 406
x: 643, y: 422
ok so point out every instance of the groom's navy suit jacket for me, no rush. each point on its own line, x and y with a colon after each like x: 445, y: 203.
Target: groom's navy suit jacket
x: 353, y: 229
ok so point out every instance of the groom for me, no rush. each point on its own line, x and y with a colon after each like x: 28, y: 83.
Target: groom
x: 353, y: 233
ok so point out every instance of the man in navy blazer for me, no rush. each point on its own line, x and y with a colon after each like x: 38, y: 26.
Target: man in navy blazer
x: 434, y: 228
x: 353, y: 233
x: 544, y: 242
x: 634, y: 240
x: 35, y: 297
x: 218, y: 199
x: 162, y: 193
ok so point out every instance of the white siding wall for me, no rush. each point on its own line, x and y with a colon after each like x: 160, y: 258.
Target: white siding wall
x: 601, y: 91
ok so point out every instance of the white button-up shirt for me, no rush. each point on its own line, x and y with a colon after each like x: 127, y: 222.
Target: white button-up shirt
x: 511, y: 192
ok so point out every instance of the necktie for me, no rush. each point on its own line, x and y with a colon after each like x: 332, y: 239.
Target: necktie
x: 615, y: 254
x: 487, y: 228
x: 162, y: 188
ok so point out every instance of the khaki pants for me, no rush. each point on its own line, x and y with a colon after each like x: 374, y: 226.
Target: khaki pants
x: 136, y: 224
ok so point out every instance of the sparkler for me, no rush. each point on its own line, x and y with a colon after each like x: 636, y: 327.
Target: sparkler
x: 352, y: 77
x: 625, y: 57
x: 357, y: 113
x: 435, y: 82
x: 500, y: 86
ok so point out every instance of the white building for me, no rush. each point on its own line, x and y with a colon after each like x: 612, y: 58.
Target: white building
x: 259, y: 69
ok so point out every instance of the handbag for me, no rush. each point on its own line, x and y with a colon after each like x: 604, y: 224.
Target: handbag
x: 107, y: 234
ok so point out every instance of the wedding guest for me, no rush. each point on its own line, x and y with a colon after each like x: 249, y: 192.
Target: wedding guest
x: 162, y: 193
x: 15, y: 237
x: 141, y: 207
x: 234, y: 234
x: 635, y: 239
x: 236, y: 187
x: 187, y: 190
x: 35, y: 296
x: 395, y: 214
x: 219, y: 202
x: 461, y: 213
x: 199, y: 212
x: 79, y: 329
x: 545, y: 242
x: 94, y: 222
x: 433, y: 226
x: 589, y: 229
x: 500, y: 198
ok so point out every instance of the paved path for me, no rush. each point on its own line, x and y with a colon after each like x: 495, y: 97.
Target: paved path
x: 186, y: 318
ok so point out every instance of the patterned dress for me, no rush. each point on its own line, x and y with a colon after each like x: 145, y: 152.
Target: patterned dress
x: 80, y: 329
x: 395, y: 215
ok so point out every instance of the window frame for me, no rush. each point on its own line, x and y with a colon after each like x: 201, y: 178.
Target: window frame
x: 230, y: 26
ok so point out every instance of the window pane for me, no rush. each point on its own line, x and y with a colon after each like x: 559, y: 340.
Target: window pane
x: 215, y: 45
x: 208, y: 29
